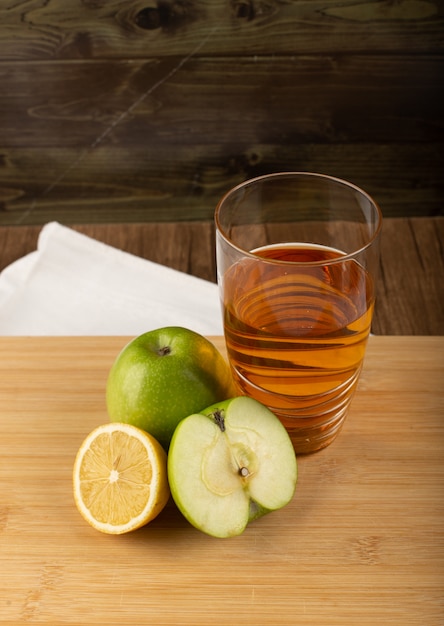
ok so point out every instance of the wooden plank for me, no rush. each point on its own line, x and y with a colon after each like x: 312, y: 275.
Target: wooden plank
x: 410, y: 298
x: 410, y: 288
x: 361, y: 542
x: 132, y: 141
x: 155, y: 102
x: 112, y: 184
x: 151, y: 112
x: 52, y: 29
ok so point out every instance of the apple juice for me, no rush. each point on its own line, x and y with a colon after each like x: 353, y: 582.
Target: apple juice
x: 296, y: 323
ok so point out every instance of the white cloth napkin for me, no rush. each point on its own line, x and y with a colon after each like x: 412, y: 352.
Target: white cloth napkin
x: 74, y: 285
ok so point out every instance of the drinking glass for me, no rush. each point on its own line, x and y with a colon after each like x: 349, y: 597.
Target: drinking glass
x: 297, y: 256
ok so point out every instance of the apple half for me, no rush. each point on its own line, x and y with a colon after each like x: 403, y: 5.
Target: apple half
x: 229, y: 465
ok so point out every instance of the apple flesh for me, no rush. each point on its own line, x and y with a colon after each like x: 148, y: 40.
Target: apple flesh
x: 229, y: 465
x: 164, y: 375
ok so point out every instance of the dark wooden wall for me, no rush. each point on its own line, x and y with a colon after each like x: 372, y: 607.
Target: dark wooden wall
x: 137, y: 110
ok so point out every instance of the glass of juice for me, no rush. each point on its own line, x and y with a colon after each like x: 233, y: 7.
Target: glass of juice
x: 297, y: 256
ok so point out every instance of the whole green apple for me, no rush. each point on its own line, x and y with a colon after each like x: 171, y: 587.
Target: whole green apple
x: 230, y: 464
x: 164, y: 375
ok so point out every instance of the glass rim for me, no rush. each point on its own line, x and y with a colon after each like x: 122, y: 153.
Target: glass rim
x: 327, y: 177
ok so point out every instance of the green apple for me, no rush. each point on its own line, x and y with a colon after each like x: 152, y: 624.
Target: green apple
x: 229, y: 465
x: 164, y: 375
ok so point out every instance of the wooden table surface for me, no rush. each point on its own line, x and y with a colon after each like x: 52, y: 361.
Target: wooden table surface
x: 362, y: 542
x: 410, y: 299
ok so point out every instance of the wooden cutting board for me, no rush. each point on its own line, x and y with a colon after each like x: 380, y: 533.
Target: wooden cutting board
x: 361, y: 543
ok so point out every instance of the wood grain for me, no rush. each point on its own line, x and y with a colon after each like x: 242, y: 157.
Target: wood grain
x: 49, y: 29
x: 150, y: 140
x: 129, y: 111
x: 361, y: 542
x: 312, y: 99
x: 410, y: 289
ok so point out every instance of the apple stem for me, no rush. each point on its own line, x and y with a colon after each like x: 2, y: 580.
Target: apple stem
x: 219, y: 419
x: 243, y: 471
x: 164, y: 351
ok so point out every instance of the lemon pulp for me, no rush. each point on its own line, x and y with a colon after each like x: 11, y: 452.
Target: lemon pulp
x: 120, y: 478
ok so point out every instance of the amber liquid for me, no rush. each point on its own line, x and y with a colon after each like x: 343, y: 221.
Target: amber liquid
x: 296, y: 335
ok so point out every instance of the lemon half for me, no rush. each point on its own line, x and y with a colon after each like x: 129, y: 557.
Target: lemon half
x: 120, y: 478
